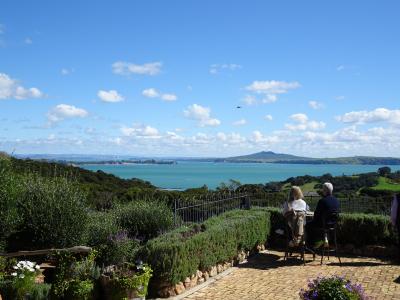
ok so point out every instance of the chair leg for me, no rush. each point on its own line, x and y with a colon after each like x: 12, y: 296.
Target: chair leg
x: 322, y: 254
x: 336, y: 249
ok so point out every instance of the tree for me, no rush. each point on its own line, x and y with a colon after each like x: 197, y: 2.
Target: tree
x: 384, y: 171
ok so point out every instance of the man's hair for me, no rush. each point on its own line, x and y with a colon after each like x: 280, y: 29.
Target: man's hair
x: 327, y: 186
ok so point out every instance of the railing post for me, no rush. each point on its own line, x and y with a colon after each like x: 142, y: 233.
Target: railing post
x: 175, y: 212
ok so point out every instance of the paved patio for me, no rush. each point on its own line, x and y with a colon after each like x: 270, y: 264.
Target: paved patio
x: 267, y: 276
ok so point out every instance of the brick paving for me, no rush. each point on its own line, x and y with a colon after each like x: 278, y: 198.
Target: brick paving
x: 267, y: 276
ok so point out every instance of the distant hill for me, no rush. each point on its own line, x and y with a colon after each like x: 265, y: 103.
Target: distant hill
x: 272, y: 157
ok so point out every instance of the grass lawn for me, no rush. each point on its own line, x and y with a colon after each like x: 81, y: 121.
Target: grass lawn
x: 386, y: 184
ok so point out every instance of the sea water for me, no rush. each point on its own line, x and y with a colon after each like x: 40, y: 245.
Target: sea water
x: 185, y: 174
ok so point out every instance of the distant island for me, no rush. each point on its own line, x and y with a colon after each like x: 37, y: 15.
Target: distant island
x: 259, y: 157
x: 279, y: 158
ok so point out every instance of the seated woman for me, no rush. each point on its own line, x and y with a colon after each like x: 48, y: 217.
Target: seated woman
x: 294, y: 211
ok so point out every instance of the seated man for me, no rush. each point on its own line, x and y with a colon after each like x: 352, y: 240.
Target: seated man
x: 326, y: 209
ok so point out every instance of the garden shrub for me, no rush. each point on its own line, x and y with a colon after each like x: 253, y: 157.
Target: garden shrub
x: 52, y: 213
x: 145, y: 219
x: 9, y: 191
x: 110, y: 241
x: 178, y: 254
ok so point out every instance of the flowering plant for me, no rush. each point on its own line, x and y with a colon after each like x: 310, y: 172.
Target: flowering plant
x: 23, y: 277
x: 335, y: 287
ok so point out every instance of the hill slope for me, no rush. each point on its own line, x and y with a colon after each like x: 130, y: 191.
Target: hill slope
x: 271, y: 157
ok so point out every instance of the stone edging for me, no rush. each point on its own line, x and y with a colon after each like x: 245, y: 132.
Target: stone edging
x: 203, y: 278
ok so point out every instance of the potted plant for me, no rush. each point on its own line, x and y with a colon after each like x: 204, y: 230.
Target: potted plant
x: 126, y: 281
x: 335, y: 287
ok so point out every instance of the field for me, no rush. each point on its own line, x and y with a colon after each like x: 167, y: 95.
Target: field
x: 387, y: 184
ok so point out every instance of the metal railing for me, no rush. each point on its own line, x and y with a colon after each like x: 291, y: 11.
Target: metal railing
x: 199, y: 209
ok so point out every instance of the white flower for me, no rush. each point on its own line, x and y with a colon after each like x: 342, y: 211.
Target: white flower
x: 37, y: 267
x: 14, y: 274
x: 21, y: 276
x: 15, y: 268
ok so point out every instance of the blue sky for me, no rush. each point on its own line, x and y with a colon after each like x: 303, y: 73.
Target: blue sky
x: 165, y: 78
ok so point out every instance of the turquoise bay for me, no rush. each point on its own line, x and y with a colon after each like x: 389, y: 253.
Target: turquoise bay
x: 185, y: 175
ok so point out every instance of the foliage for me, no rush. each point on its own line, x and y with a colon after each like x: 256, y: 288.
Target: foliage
x: 384, y: 171
x: 177, y: 254
x: 128, y: 277
x: 327, y: 288
x: 9, y: 193
x: 357, y: 229
x: 109, y: 239
x: 40, y: 292
x: 144, y: 219
x: 74, y: 278
x: 52, y: 212
x: 103, y: 190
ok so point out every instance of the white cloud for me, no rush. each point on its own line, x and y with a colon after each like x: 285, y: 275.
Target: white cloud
x: 240, y: 122
x: 65, y: 111
x: 315, y: 104
x: 340, y: 68
x: 150, y: 93
x: 10, y: 89
x: 269, y: 89
x: 28, y: 41
x: 169, y: 97
x: 217, y: 68
x: 268, y: 118
x: 272, y: 87
x: 126, y: 68
x: 300, y: 118
x: 65, y: 71
x: 141, y: 131
x: 201, y: 114
x: 153, y: 93
x: 110, y: 96
x: 303, y: 123
x: 377, y: 115
x: 249, y: 100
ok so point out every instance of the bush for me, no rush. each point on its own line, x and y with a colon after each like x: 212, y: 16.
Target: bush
x: 110, y: 240
x: 9, y: 191
x: 357, y: 229
x: 178, y: 254
x: 52, y: 212
x: 145, y: 219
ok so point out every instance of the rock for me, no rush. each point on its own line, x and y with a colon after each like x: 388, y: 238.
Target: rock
x: 168, y: 291
x: 219, y: 268
x: 199, y: 274
x: 206, y: 275
x: 187, y: 283
x: 193, y: 280
x: 39, y: 279
x: 200, y: 280
x: 262, y: 247
x: 213, y: 271
x: 179, y: 288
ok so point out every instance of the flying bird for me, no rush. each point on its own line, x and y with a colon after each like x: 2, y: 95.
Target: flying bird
x: 238, y: 107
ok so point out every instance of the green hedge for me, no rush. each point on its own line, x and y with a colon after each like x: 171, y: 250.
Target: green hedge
x: 178, y: 254
x: 357, y: 229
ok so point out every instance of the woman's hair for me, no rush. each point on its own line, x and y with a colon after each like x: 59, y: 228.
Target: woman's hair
x: 296, y: 193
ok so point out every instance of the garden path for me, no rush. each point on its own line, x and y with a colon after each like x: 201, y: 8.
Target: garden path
x: 267, y: 276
